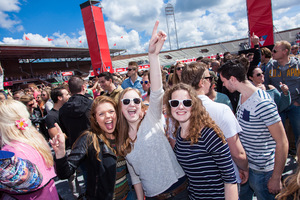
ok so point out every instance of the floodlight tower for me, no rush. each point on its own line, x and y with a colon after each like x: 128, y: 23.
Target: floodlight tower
x: 169, y: 9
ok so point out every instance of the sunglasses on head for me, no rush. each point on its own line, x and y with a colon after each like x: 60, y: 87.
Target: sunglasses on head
x: 175, y: 103
x: 135, y: 100
x: 179, y: 68
x: 146, y: 82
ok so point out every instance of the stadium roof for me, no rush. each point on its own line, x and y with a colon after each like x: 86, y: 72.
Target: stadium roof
x: 9, y: 52
x: 119, y: 59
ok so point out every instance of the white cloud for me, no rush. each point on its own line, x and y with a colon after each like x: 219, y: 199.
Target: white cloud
x: 7, y: 19
x: 133, y: 14
x: 287, y: 23
x: 10, y: 5
x: 198, y: 22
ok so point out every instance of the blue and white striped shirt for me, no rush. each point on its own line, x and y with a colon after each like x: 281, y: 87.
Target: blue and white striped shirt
x: 207, y: 164
x: 254, y: 116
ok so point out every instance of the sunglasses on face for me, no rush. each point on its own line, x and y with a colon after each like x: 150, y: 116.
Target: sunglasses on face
x: 135, y: 100
x: 259, y: 74
x: 175, y: 103
x: 130, y: 69
x: 146, y: 82
x: 208, y: 78
x: 179, y: 68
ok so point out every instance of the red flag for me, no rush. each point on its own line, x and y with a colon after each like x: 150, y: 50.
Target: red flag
x: 260, y: 21
x: 49, y: 39
x: 67, y: 42
x: 115, y: 44
x: 121, y: 36
x: 26, y: 38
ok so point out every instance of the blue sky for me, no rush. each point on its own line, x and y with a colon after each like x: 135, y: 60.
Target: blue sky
x: 198, y: 22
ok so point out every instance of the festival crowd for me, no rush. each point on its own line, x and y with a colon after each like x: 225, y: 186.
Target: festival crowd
x: 210, y: 129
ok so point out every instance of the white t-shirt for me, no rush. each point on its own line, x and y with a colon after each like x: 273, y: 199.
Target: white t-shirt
x: 225, y: 119
x: 1, y: 81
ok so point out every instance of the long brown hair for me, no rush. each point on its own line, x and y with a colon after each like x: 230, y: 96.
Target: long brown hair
x: 95, y: 131
x: 175, y: 78
x: 123, y: 139
x: 199, y: 116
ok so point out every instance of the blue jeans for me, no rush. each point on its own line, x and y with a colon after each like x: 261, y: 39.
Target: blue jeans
x: 293, y: 113
x: 258, y: 184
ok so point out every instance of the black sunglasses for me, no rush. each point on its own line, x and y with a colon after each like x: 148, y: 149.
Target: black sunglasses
x: 179, y: 68
x: 146, y: 82
x: 259, y: 74
x: 209, y: 78
x: 135, y: 100
x: 130, y: 69
x: 175, y: 103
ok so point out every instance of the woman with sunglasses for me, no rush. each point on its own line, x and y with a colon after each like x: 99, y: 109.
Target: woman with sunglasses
x: 151, y: 161
x: 200, y: 146
x: 176, y: 76
x: 282, y: 99
x: 106, y: 171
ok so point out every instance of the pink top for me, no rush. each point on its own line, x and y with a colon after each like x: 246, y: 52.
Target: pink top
x: 25, y: 151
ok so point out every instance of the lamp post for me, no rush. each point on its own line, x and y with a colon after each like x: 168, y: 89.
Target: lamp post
x: 169, y: 9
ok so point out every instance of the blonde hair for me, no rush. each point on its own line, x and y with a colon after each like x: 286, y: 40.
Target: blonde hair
x: 199, y: 116
x: 11, y: 111
x: 291, y: 185
x: 284, y: 45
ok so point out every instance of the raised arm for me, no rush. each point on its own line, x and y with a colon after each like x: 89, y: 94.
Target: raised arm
x: 1, y: 69
x: 155, y: 45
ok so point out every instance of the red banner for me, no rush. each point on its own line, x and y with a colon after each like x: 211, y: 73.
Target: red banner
x: 96, y: 37
x: 260, y: 21
x: 70, y: 73
x: 9, y: 83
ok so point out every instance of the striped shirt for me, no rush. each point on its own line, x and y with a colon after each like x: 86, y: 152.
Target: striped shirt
x: 121, y: 187
x: 254, y: 116
x: 207, y: 164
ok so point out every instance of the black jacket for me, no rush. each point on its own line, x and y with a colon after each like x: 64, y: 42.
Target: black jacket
x: 101, y: 175
x: 74, y: 117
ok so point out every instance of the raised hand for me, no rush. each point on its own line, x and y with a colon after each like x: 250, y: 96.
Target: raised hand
x: 58, y: 143
x: 157, y: 40
x: 254, y: 39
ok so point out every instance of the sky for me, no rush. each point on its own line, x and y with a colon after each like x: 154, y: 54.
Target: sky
x: 129, y: 23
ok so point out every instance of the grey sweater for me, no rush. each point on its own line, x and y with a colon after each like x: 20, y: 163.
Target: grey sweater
x: 152, y: 161
x: 288, y: 74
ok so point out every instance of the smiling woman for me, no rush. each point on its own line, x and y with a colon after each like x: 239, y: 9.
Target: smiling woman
x: 151, y: 162
x: 106, y: 171
x: 200, y: 146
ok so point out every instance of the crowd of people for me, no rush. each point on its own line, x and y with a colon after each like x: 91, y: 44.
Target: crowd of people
x: 210, y: 129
